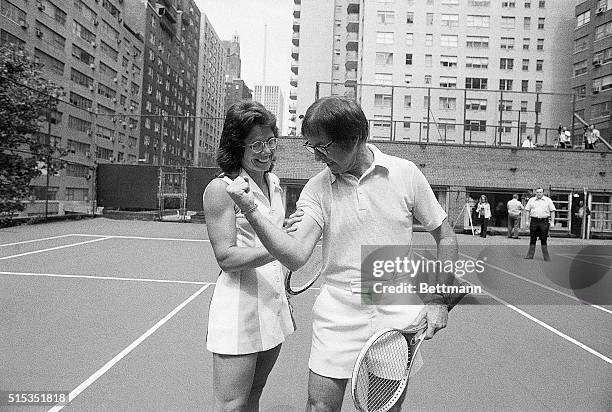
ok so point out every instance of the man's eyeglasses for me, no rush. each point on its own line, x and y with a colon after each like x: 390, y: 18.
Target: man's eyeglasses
x: 319, y: 148
x: 258, y: 146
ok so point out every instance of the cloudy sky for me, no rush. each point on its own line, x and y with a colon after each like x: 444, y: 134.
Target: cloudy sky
x: 247, y: 18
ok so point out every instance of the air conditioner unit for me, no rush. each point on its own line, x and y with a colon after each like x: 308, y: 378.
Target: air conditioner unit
x: 115, y: 80
x: 39, y: 32
x: 132, y: 108
x: 89, y: 133
x: 91, y: 88
x: 595, y: 90
x: 115, y: 100
x: 114, y: 119
x: 23, y: 24
x: 601, y: 10
x: 118, y: 41
x: 93, y: 66
x: 41, y: 7
x: 95, y: 22
x: 93, y: 44
x: 597, y: 62
x: 88, y: 155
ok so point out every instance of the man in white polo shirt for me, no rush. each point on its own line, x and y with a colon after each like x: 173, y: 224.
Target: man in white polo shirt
x: 363, y: 197
x: 541, y: 211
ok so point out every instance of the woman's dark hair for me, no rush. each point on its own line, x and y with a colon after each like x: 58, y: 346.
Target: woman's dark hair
x: 339, y: 118
x: 239, y: 120
x: 485, y: 198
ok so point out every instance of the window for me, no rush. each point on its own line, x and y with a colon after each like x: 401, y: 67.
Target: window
x: 448, y: 61
x: 409, y: 39
x: 409, y: 17
x: 80, y: 78
x: 447, y: 40
x: 50, y: 37
x: 428, y: 79
x: 601, y: 109
x: 448, y: 103
x: 428, y: 40
x: 407, y: 78
x: 526, y: 43
x: 505, y: 84
x: 450, y: 2
x: 407, y: 102
x: 12, y: 12
x: 506, y: 64
x: 406, y: 122
x: 476, y: 125
x: 507, y: 43
x: 525, y: 65
x: 384, y: 37
x: 447, y: 81
x: 110, y: 8
x: 541, y: 23
x: 383, y: 78
x: 525, y: 86
x: 75, y: 170
x: 580, y: 68
x: 580, y: 91
x: 476, y: 83
x: 384, y: 59
x: 106, y: 91
x: 508, y: 4
x: 603, y: 31
x: 108, y: 51
x: 507, y: 22
x: 49, y: 62
x: 428, y: 60
x: 86, y: 12
x: 8, y: 38
x: 382, y: 100
x: 81, y: 55
x: 540, y: 44
x: 409, y: 59
x: 527, y: 23
x: 478, y: 21
x: 429, y: 19
x: 528, y: 4
x: 477, y: 42
x: 539, y: 65
x: 82, y: 32
x: 385, y: 17
x: 581, y: 44
x: 450, y: 20
x: 476, y: 62
x: 583, y: 18
x: 479, y: 3
x: 476, y: 104
x: 542, y: 4
x: 539, y: 85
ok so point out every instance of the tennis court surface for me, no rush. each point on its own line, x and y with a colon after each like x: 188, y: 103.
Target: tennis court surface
x: 115, y: 312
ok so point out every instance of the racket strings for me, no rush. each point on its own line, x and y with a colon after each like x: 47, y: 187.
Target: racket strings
x: 383, y: 371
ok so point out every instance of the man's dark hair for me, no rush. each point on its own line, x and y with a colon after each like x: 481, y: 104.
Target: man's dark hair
x: 339, y: 118
x: 239, y: 120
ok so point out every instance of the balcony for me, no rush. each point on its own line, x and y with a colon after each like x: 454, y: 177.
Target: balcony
x: 294, y: 80
x: 350, y: 78
x: 353, y: 6
x: 352, y: 41
x: 351, y: 60
x: 293, y: 94
x: 294, y: 67
x: 295, y: 39
x: 296, y: 25
x: 293, y: 108
x: 295, y: 52
x: 352, y: 22
x: 296, y: 11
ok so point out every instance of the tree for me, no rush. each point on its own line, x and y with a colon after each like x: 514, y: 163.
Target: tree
x: 26, y: 102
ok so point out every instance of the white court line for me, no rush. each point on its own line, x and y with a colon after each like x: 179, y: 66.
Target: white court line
x: 77, y: 391
x: 550, y: 328
x: 35, y: 240
x: 52, y: 248
x: 55, y: 275
x: 142, y: 238
x: 533, y: 282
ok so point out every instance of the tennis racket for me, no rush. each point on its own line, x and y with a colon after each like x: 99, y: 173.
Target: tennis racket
x: 382, y: 369
x: 300, y: 283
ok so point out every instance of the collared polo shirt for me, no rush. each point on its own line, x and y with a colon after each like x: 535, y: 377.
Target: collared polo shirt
x: 514, y: 207
x: 376, y: 209
x: 540, y: 208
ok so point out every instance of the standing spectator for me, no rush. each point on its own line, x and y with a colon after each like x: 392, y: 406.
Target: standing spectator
x: 579, y: 216
x: 591, y: 136
x: 565, y: 139
x: 483, y: 209
x: 541, y: 211
x: 528, y: 143
x: 514, y: 216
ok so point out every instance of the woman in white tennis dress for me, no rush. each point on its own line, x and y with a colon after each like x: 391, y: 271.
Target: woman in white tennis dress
x: 249, y: 314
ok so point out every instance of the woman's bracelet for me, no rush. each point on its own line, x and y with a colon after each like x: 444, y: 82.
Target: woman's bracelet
x: 251, y: 209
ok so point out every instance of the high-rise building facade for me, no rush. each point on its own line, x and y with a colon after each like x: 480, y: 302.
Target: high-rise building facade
x: 235, y: 91
x: 482, y: 71
x: 96, y: 56
x: 210, y: 96
x: 171, y: 30
x: 233, y: 63
x: 592, y: 71
x: 272, y: 99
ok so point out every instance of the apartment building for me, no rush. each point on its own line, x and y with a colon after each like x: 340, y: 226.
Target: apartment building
x: 476, y: 71
x: 88, y: 49
x: 210, y: 95
x: 235, y: 88
x: 592, y: 71
x: 171, y: 32
x: 272, y: 98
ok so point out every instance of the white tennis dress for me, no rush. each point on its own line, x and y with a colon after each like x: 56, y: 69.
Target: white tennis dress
x: 249, y: 311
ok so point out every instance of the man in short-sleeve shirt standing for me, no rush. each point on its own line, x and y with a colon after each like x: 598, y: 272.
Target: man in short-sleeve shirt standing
x: 541, y: 211
x: 363, y: 197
